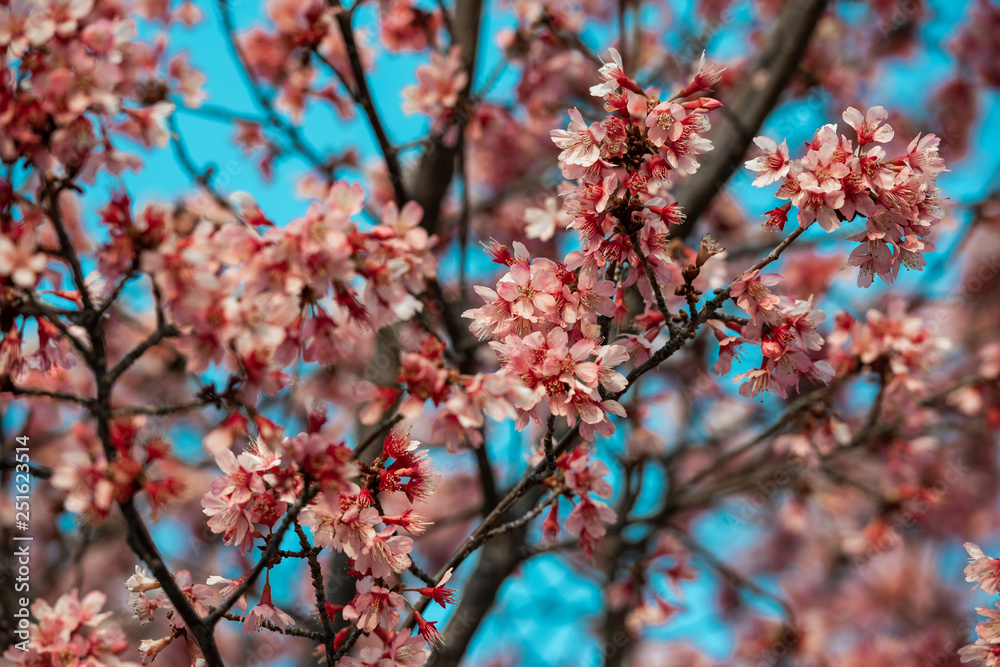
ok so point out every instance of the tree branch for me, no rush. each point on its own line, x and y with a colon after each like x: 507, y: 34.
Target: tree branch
x: 363, y: 96
x: 319, y: 588
x: 761, y: 86
x: 270, y: 551
x: 6, y: 386
x: 437, y: 167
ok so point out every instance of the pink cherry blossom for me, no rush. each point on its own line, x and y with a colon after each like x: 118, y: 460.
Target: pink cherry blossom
x: 983, y: 570
x: 772, y: 165
x: 869, y: 127
x: 580, y: 143
x: 20, y: 259
x: 265, y: 611
x: 438, y: 85
x: 614, y: 78
x: 374, y: 606
x: 587, y: 521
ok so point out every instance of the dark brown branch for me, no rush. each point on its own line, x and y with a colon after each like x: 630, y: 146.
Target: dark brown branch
x: 363, y: 96
x: 273, y: 545
x: 66, y: 251
x: 661, y: 304
x: 52, y: 315
x: 486, y: 477
x: 6, y: 386
x: 319, y: 589
x: 437, y: 167
x: 380, y: 429
x: 550, y: 455
x: 761, y: 86
x: 291, y: 631
x: 421, y: 574
x: 446, y: 19
x: 348, y: 644
x: 161, y: 333
x: 159, y: 410
x: 34, y: 470
x: 463, y: 225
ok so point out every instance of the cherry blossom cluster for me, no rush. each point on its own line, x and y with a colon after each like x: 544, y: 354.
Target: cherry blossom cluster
x: 583, y: 476
x: 255, y: 490
x: 370, y: 512
x: 83, y: 84
x: 307, y: 32
x: 146, y: 596
x: 140, y: 464
x: 985, y: 572
x: 546, y: 318
x: 567, y: 377
x: 279, y: 56
x: 623, y: 166
x: 259, y: 296
x: 538, y: 294
x: 904, y: 346
x: 424, y: 376
x: 835, y: 181
x: 647, y: 607
x: 72, y: 629
x: 784, y: 328
x: 438, y: 85
x: 79, y: 63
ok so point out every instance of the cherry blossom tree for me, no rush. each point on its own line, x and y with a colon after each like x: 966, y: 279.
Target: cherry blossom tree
x: 561, y: 361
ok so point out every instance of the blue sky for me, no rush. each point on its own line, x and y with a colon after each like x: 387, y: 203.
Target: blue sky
x: 567, y: 597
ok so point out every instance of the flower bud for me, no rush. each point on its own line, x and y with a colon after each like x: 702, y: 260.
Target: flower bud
x: 709, y: 248
x: 148, y: 648
x: 777, y: 217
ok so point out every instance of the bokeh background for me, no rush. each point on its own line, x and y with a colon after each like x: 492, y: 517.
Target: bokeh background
x: 911, y: 57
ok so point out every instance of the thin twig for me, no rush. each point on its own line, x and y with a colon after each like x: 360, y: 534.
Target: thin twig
x: 378, y: 432
x: 291, y: 631
x: 273, y: 545
x: 550, y: 498
x: 364, y: 97
x: 661, y: 304
x: 35, y: 470
x: 319, y: 589
x: 6, y: 386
